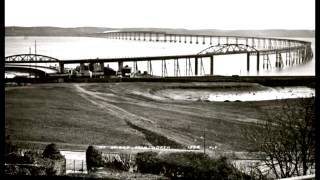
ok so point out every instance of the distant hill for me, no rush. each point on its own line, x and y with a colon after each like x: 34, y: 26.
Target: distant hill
x: 90, y: 31
x: 52, y: 31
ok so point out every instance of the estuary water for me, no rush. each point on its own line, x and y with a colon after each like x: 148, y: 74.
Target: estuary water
x: 91, y: 48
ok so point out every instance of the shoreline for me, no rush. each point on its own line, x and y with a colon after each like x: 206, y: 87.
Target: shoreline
x: 271, y: 81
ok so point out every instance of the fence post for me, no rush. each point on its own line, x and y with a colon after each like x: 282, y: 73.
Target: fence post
x: 82, y: 166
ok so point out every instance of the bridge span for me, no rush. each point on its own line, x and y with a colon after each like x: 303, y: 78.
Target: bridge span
x: 287, y: 52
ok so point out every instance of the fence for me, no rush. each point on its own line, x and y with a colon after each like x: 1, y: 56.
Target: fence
x: 76, y: 166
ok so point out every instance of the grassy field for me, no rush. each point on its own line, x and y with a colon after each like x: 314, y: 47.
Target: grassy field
x: 80, y: 114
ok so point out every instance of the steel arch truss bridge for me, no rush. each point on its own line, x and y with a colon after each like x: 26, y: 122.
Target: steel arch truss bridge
x: 32, y: 63
x: 228, y: 49
x: 30, y: 58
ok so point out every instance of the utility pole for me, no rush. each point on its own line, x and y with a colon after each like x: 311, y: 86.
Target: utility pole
x: 35, y: 47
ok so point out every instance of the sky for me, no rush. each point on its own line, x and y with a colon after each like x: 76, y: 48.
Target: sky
x: 188, y: 14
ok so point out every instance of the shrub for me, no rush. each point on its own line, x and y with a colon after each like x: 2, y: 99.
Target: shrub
x: 118, y: 165
x: 93, y: 158
x: 15, y: 158
x: 52, y: 152
x: 147, y: 162
x: 187, y: 166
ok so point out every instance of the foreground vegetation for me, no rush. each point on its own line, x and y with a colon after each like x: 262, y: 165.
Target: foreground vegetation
x: 33, y: 163
x: 172, y: 165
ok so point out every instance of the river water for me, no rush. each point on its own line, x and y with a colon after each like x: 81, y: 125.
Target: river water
x: 88, y: 47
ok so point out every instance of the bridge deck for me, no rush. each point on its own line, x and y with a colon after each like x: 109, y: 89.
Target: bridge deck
x: 169, y: 57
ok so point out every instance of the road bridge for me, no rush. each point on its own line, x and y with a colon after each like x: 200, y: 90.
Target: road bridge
x: 287, y: 52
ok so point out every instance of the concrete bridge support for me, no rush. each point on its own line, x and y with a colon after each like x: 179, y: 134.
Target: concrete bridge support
x: 102, y: 66
x: 135, y: 67
x: 91, y: 66
x: 188, y: 67
x: 81, y: 67
x: 149, y: 67
x: 211, y: 65
x: 176, y: 68
x: 120, y: 65
x: 258, y: 61
x: 61, y: 65
x: 266, y: 61
x: 196, y: 66
x: 248, y: 62
x: 164, y: 68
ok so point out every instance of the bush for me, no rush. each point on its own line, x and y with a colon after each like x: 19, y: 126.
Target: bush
x: 93, y: 158
x: 15, y: 158
x: 118, y: 165
x: 52, y: 152
x: 148, y: 162
x: 187, y: 166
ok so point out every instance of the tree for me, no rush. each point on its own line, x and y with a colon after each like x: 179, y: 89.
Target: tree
x: 287, y: 137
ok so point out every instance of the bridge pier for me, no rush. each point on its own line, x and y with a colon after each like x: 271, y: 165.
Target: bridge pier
x: 120, y: 66
x: 258, y: 60
x: 149, y: 67
x: 163, y: 68
x: 135, y: 66
x: 211, y: 65
x: 266, y: 61
x: 196, y: 66
x: 278, y: 60
x: 102, y: 66
x: 188, y: 67
x: 81, y: 67
x: 91, y: 66
x: 202, y: 72
x: 61, y: 65
x: 248, y: 62
x: 176, y: 68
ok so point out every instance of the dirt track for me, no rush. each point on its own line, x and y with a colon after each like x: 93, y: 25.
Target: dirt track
x: 98, y: 113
